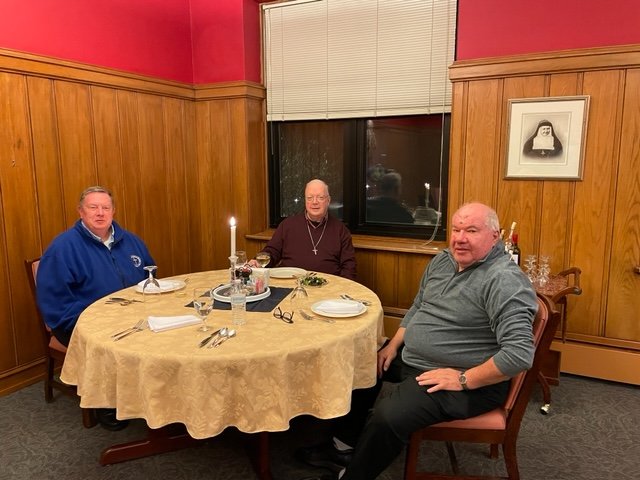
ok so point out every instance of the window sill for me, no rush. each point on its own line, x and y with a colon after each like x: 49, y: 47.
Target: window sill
x: 370, y: 242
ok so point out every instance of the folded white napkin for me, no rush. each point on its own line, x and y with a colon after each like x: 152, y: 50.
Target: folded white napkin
x: 340, y: 306
x: 160, y: 324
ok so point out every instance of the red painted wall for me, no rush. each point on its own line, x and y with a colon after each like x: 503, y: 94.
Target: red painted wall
x: 493, y: 28
x: 207, y: 41
x: 226, y: 40
x: 150, y: 37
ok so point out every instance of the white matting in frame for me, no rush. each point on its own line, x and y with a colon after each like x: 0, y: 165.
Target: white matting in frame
x: 546, y: 137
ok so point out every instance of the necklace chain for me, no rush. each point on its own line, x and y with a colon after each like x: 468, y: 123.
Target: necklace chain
x: 315, y: 244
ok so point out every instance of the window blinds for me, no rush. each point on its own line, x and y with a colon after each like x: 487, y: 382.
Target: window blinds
x: 357, y: 58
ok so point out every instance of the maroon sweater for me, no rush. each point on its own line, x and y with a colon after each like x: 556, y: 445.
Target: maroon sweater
x: 291, y: 246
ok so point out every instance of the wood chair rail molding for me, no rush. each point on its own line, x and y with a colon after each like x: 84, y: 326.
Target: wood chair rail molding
x: 53, y: 68
x: 562, y: 61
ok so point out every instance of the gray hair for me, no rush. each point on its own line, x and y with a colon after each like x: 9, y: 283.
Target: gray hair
x: 95, y: 189
x: 317, y: 180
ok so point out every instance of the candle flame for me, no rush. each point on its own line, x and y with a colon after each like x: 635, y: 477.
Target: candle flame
x: 232, y: 222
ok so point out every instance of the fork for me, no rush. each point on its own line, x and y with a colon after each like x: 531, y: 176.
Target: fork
x: 306, y: 316
x: 138, y: 327
x: 344, y: 296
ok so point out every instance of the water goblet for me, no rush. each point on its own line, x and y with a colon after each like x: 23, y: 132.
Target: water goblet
x: 151, y: 285
x: 203, y: 304
x: 299, y: 296
x: 263, y: 259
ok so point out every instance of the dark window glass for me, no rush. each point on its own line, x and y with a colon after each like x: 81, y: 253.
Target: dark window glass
x: 386, y: 176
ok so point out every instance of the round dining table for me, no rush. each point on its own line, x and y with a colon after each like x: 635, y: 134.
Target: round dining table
x: 257, y: 381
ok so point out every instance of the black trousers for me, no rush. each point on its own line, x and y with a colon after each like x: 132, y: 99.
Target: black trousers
x: 381, y: 433
x: 63, y: 336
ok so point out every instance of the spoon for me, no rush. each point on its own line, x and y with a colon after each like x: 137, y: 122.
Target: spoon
x: 230, y: 333
x: 221, y: 333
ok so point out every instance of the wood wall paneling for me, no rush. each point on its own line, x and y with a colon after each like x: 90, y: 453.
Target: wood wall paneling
x: 623, y: 299
x: 592, y: 223
x: 19, y: 232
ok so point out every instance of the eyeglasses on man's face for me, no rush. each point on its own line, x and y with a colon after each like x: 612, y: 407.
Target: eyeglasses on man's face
x: 284, y: 316
x: 315, y: 198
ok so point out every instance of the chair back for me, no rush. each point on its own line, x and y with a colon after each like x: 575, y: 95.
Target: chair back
x: 49, y: 341
x: 540, y: 322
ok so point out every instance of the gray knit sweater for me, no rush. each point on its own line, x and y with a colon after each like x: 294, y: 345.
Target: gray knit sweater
x: 461, y: 319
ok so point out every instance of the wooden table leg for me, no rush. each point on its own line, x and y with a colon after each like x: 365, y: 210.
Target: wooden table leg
x: 175, y: 437
x: 160, y: 440
x: 258, y: 447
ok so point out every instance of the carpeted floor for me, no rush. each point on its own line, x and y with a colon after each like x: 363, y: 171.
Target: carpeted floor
x: 592, y: 432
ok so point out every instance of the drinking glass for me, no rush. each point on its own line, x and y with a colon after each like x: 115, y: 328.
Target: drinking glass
x: 241, y: 258
x: 203, y: 304
x: 299, y: 296
x: 263, y: 259
x: 151, y: 286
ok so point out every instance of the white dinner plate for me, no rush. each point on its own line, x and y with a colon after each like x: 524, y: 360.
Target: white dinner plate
x: 165, y: 286
x: 222, y: 294
x: 286, y: 272
x: 317, y: 308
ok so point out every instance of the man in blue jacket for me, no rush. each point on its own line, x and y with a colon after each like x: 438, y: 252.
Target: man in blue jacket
x: 92, y: 259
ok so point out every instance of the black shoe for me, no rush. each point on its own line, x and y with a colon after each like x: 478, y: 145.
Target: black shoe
x: 325, y: 455
x: 107, y: 418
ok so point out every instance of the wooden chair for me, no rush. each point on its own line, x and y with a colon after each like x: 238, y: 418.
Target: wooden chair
x: 499, y: 426
x: 54, y: 352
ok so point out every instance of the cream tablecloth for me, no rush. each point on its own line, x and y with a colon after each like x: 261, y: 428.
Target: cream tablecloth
x: 270, y: 373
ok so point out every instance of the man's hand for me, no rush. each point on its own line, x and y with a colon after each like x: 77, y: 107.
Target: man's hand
x: 385, y: 357
x: 440, y: 379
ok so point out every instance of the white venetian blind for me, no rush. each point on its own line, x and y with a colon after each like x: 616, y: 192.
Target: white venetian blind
x: 357, y: 58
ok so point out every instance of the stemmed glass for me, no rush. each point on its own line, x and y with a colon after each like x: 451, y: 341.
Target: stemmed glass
x: 263, y: 259
x: 299, y: 296
x: 203, y: 304
x: 241, y: 258
x: 151, y: 285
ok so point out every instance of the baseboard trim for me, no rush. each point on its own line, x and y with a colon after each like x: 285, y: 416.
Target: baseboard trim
x: 594, y: 361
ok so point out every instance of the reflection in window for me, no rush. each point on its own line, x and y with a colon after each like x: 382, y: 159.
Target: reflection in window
x: 387, y: 176
x: 404, y: 170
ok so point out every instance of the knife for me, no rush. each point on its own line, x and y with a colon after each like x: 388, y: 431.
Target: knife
x: 208, y: 339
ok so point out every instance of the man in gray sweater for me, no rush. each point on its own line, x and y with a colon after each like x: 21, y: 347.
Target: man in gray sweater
x: 467, y: 333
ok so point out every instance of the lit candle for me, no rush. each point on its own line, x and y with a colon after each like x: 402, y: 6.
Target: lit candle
x: 232, y: 224
x: 426, y: 196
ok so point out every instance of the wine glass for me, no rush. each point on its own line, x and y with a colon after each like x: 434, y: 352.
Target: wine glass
x: 299, y: 296
x: 203, y: 304
x: 263, y: 259
x: 241, y: 258
x: 151, y: 285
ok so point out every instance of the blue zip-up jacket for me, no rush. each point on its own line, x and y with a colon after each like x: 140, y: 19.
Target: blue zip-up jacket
x: 76, y: 270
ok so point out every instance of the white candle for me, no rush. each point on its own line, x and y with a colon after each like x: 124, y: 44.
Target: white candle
x: 232, y: 224
x: 426, y: 196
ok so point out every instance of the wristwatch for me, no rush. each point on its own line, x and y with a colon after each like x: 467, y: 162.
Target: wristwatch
x: 463, y: 380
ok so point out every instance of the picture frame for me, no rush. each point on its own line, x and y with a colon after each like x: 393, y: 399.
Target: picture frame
x: 546, y: 137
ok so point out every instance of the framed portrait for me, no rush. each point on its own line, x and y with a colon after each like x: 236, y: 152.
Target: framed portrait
x: 546, y: 137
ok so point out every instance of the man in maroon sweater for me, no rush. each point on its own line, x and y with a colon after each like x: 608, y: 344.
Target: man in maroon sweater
x: 313, y: 240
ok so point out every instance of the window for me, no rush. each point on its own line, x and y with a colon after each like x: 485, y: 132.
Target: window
x: 379, y: 171
x: 358, y: 95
